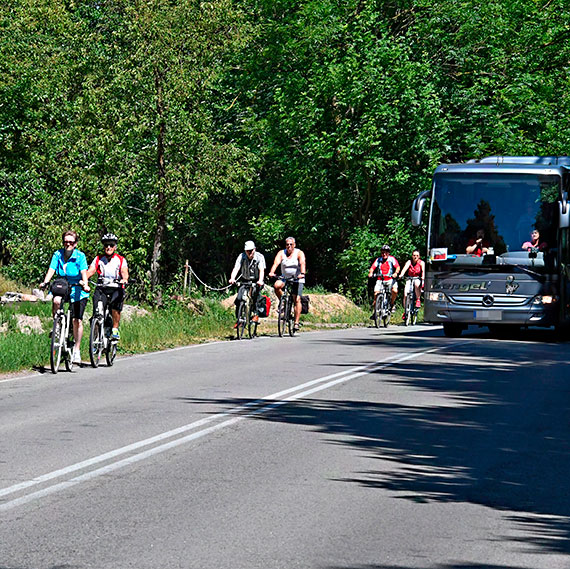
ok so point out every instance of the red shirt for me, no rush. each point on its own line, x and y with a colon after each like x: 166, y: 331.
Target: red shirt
x: 479, y: 251
x: 415, y: 270
x: 385, y: 269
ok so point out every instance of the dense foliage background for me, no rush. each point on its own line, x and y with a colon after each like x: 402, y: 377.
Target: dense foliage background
x: 188, y: 127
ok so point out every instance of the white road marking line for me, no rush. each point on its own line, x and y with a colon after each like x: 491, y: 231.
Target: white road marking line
x: 315, y: 386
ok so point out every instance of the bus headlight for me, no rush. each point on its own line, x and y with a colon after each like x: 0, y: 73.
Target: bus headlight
x: 546, y: 299
x: 436, y: 296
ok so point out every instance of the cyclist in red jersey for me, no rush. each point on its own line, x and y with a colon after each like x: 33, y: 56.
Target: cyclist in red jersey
x: 386, y: 268
x: 415, y: 268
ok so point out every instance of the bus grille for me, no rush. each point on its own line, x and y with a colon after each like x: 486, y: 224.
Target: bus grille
x: 501, y: 300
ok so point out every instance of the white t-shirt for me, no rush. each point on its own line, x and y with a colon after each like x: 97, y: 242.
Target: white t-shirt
x: 109, y: 268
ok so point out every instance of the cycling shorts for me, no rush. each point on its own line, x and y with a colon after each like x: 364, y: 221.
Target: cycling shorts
x: 296, y: 287
x: 417, y: 282
x: 78, y: 308
x: 114, y: 296
x: 391, y: 283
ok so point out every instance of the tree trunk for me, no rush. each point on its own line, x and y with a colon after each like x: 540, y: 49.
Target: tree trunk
x: 161, y: 198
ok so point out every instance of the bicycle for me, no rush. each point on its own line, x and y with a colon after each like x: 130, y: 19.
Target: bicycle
x: 382, y: 306
x: 411, y: 311
x: 246, y: 311
x: 285, y: 315
x: 100, y: 338
x: 62, y: 340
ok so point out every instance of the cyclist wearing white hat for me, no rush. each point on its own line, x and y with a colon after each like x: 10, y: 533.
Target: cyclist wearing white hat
x: 249, y: 267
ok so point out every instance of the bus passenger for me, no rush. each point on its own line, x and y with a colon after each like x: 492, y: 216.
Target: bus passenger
x: 534, y: 242
x: 478, y: 245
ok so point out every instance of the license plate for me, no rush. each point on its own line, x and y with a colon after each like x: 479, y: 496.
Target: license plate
x: 488, y: 315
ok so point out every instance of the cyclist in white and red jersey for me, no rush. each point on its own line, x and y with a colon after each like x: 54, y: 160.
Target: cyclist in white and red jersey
x: 416, y: 270
x: 386, y: 269
x: 113, y: 274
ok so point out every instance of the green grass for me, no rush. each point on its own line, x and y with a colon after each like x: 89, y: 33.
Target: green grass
x: 176, y: 325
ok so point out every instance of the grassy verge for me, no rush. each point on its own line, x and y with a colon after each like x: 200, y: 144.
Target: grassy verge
x: 176, y: 325
x: 159, y: 329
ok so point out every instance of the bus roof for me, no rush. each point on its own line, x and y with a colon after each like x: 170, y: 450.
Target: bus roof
x: 544, y: 160
x: 510, y: 165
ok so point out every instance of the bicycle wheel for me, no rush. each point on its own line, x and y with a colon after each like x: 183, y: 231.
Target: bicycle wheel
x: 378, y: 309
x: 68, y: 353
x: 111, y: 352
x: 251, y: 325
x: 241, y: 320
x: 282, y: 315
x: 96, y: 341
x: 248, y: 318
x: 414, y: 316
x: 386, y: 311
x: 57, y: 342
x: 413, y: 309
x: 409, y: 310
x: 290, y: 317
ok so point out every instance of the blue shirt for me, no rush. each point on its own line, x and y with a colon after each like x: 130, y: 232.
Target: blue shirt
x: 71, y: 271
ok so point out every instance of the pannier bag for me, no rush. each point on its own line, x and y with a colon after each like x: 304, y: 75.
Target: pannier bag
x: 60, y: 287
x: 263, y: 306
x: 305, y: 304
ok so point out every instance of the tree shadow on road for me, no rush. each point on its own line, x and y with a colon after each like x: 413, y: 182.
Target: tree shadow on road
x: 496, y: 433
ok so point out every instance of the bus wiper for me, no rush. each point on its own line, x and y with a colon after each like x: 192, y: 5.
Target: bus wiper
x: 527, y: 270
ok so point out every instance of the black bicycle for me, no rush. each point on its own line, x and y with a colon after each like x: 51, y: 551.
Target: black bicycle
x: 100, y: 335
x: 285, y: 313
x: 411, y: 311
x: 246, y: 310
x: 382, y: 306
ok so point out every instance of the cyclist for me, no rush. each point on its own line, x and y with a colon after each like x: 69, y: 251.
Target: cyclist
x: 70, y: 264
x: 415, y: 268
x: 251, y: 267
x: 386, y: 269
x: 293, y: 266
x: 113, y: 274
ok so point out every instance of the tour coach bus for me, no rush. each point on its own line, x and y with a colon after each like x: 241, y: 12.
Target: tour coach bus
x: 498, y: 243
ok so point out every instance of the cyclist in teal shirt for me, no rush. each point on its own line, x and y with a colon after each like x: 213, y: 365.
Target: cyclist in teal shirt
x: 70, y: 264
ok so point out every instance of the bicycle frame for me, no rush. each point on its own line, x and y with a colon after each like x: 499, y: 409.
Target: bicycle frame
x: 62, y: 340
x: 411, y: 311
x: 382, y: 305
x: 285, y: 316
x: 100, y: 334
x: 244, y: 311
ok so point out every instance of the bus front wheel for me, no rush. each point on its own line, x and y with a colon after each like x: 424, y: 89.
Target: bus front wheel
x: 452, y: 330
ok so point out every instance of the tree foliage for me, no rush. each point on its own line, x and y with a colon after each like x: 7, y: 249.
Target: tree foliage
x: 189, y: 127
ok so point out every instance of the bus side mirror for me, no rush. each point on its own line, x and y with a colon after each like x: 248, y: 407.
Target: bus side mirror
x: 563, y: 212
x: 418, y: 208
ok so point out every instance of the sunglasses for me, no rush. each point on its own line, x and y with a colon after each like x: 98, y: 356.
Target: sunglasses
x: 109, y: 245
x: 69, y: 242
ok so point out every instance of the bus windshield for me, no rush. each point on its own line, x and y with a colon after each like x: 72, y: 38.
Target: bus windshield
x: 474, y: 214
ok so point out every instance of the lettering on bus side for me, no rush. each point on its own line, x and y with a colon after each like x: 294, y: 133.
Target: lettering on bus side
x: 461, y: 287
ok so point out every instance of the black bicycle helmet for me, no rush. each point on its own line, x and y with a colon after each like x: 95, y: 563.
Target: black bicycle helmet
x: 109, y: 238
x: 385, y: 248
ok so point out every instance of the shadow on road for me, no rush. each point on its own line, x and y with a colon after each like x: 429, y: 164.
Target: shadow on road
x: 445, y: 566
x: 500, y: 437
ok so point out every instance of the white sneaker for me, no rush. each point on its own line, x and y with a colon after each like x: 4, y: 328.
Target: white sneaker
x: 76, y: 357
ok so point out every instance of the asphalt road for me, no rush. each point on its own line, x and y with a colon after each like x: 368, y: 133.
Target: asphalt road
x: 356, y: 449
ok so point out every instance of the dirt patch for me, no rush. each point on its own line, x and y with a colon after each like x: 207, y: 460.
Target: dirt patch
x: 129, y: 311
x: 29, y: 324
x: 321, y: 305
x: 324, y: 304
